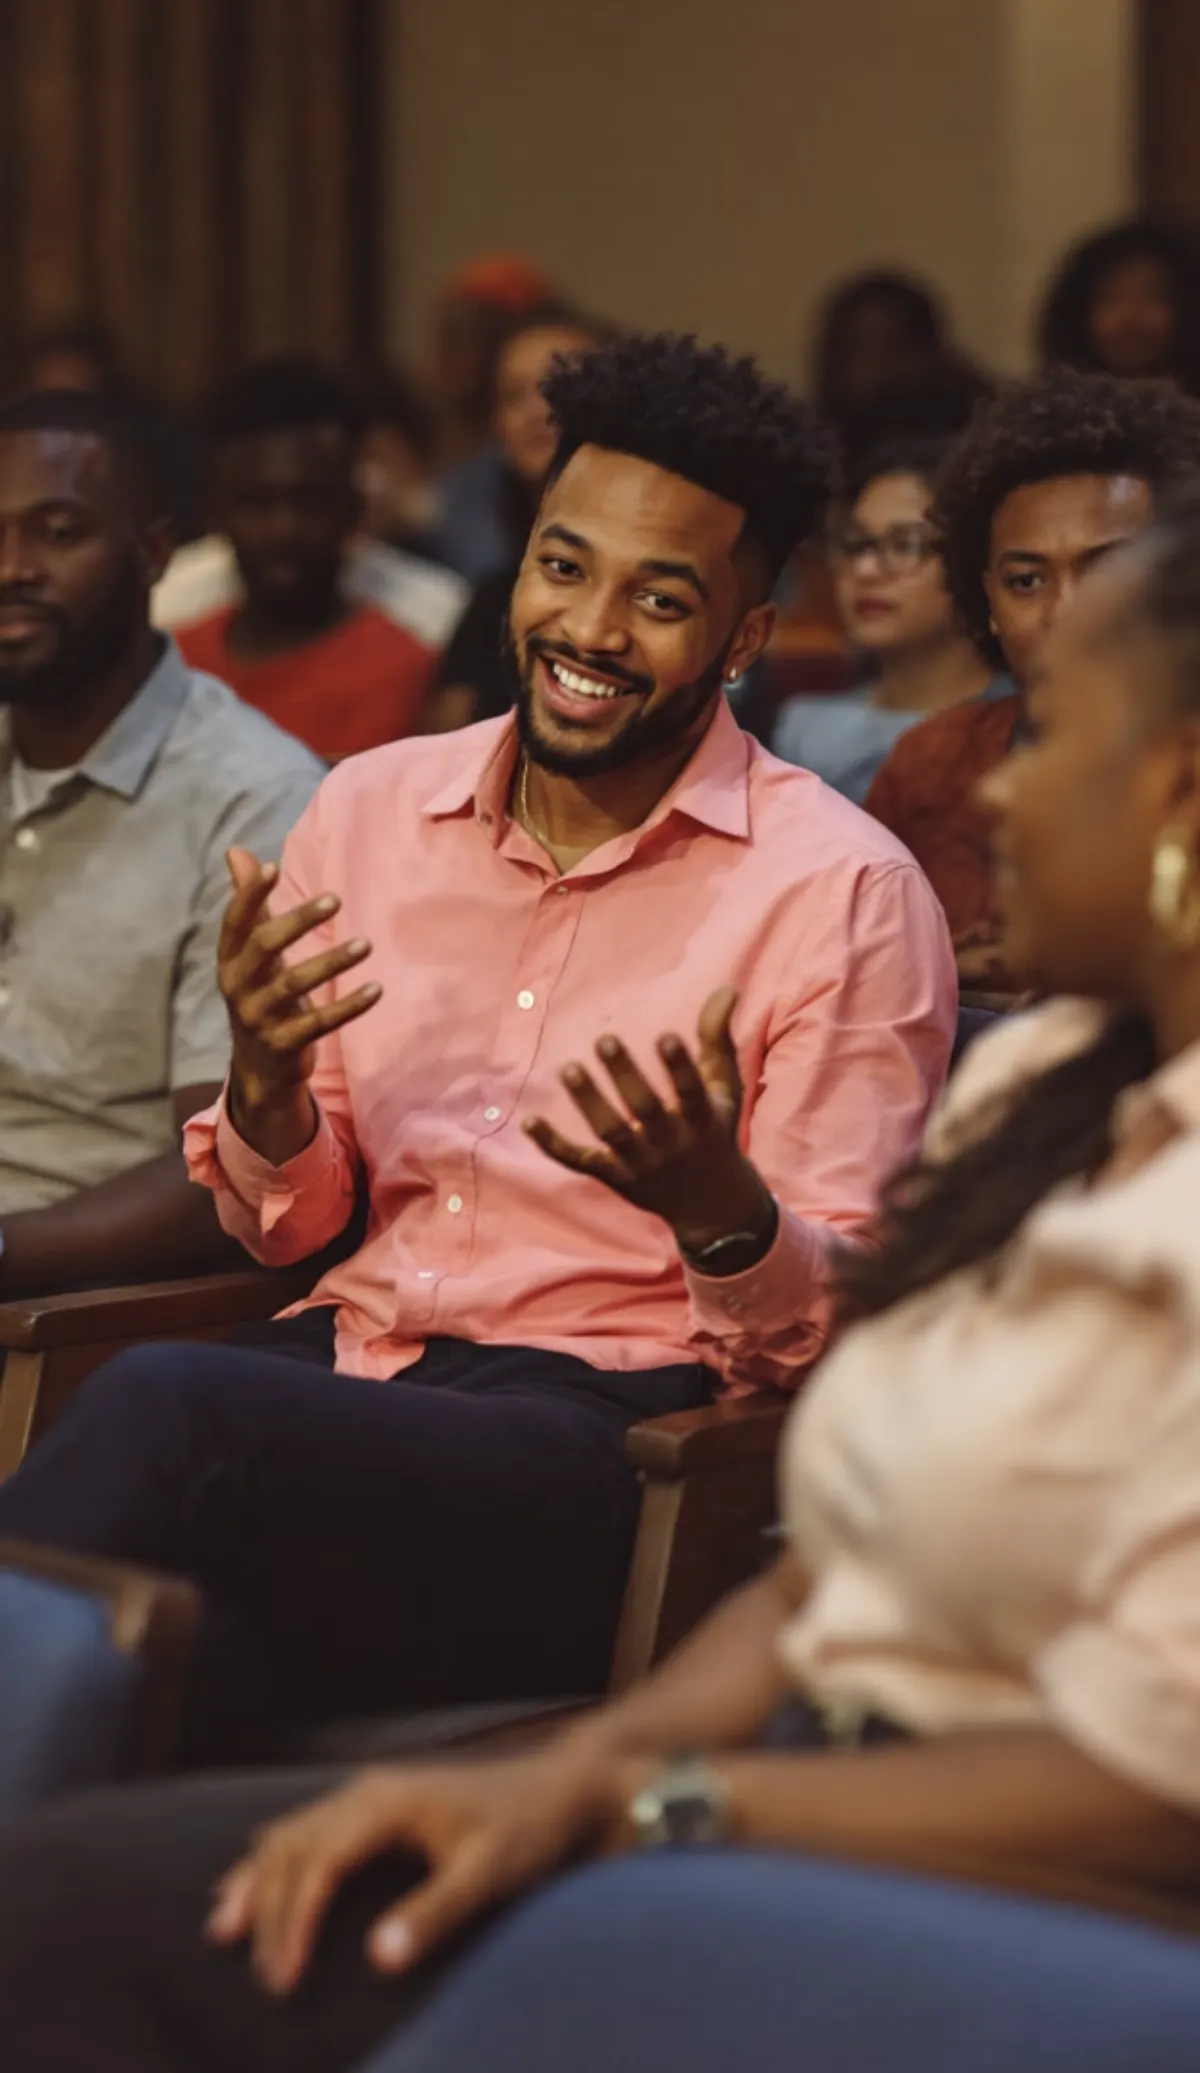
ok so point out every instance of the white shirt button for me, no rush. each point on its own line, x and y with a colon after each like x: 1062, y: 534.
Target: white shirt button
x: 424, y: 1273
x: 491, y: 1115
x: 454, y: 1205
x: 525, y: 999
x: 562, y: 887
x: 27, y: 838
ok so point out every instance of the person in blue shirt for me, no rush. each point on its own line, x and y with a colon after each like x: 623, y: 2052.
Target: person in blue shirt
x: 892, y: 596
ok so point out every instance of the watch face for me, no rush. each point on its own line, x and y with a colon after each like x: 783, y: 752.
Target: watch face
x: 684, y: 1806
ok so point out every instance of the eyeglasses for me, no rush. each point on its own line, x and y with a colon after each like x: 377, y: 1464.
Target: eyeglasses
x: 900, y: 550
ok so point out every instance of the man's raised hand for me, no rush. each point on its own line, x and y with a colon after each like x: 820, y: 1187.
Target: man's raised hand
x: 274, y: 1023
x: 679, y: 1160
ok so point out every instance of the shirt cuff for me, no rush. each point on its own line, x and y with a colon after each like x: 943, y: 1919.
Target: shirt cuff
x: 767, y: 1298
x: 219, y: 1158
x: 1122, y: 1703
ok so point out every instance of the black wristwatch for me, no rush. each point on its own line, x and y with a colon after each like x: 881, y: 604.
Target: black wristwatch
x: 739, y: 1251
x: 684, y: 1805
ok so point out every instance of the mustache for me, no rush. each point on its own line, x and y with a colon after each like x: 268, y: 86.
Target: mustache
x: 601, y: 666
x: 14, y: 600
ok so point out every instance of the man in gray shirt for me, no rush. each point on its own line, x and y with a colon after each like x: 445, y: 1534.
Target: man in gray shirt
x: 124, y: 778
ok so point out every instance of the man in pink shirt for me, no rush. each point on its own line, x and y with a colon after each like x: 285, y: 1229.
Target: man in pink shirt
x: 554, y: 1248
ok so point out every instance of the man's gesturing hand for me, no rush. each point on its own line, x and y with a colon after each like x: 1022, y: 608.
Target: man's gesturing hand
x: 681, y: 1162
x: 274, y: 1023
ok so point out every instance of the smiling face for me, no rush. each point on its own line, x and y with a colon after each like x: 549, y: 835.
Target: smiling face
x: 1076, y: 812
x: 76, y: 565
x: 636, y: 597
x: 1045, y: 539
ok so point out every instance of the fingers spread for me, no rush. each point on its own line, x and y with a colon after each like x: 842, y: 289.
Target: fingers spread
x: 579, y: 1158
x: 716, y: 1016
x: 312, y: 972
x: 633, y: 1087
x: 610, y: 1126
x: 252, y: 884
x: 694, y: 1104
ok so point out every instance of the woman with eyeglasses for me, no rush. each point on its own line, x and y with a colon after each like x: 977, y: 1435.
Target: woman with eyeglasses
x: 897, y: 611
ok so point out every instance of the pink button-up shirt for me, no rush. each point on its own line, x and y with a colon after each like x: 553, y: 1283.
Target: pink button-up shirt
x: 497, y: 971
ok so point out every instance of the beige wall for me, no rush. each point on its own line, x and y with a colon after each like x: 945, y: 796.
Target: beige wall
x: 713, y: 164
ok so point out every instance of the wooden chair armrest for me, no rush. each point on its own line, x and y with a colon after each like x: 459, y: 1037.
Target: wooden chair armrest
x: 150, y: 1310
x: 708, y: 1498
x: 151, y: 1616
x: 744, y: 1428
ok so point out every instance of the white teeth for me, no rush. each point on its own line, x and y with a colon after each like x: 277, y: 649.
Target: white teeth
x: 583, y: 687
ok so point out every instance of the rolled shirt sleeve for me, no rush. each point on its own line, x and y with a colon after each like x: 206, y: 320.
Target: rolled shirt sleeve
x: 285, y: 1213
x: 1123, y: 1679
x: 844, y: 1085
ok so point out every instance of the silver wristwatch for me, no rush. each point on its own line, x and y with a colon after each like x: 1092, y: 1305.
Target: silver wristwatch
x: 684, y: 1804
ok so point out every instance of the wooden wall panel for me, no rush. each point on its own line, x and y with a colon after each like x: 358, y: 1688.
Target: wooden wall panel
x: 194, y: 175
x: 1169, y: 94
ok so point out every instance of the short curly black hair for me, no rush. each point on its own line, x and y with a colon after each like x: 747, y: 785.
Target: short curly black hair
x: 1059, y: 423
x: 718, y: 421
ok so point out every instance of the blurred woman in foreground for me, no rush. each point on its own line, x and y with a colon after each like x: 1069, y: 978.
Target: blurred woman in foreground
x: 980, y: 1654
x: 897, y: 612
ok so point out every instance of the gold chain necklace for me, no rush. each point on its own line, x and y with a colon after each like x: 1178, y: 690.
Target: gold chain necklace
x: 523, y: 805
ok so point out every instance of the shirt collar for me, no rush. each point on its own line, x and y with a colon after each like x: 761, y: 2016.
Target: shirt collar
x: 712, y: 789
x: 125, y: 753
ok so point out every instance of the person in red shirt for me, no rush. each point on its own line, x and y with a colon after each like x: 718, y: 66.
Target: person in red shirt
x: 284, y: 440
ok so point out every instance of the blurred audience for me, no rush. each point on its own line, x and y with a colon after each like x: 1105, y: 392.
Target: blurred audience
x: 473, y: 309
x: 975, y: 1659
x: 474, y: 314
x: 1046, y: 481
x: 810, y: 651
x: 283, y: 441
x: 474, y: 681
x: 1127, y: 301
x: 397, y: 467
x: 874, y: 330
x: 898, y: 614
x: 123, y: 776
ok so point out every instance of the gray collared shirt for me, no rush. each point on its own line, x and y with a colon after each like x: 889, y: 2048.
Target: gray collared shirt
x: 111, y: 895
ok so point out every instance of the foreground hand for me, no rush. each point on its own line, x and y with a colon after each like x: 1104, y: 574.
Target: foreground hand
x: 681, y: 1163
x: 274, y: 1025
x: 487, y: 1830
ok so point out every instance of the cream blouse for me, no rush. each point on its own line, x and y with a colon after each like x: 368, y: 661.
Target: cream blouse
x: 996, y: 1489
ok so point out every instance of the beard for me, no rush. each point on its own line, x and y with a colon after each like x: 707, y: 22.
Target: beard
x: 645, y: 733
x: 84, y: 650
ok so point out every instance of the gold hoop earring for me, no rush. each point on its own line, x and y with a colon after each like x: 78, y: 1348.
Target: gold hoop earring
x: 1175, y: 891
